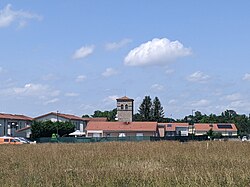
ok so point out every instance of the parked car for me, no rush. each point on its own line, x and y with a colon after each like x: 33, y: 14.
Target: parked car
x: 9, y: 140
x: 24, y: 140
x: 19, y: 139
x: 244, y: 138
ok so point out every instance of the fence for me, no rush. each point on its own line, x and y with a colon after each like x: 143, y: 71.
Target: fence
x: 97, y: 139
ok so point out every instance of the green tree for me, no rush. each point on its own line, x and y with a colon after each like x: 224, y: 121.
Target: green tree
x: 157, y: 110
x: 47, y: 128
x: 145, y: 109
x: 110, y: 115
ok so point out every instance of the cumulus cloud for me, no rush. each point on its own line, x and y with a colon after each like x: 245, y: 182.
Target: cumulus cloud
x: 117, y: 45
x: 31, y: 89
x: 246, y: 77
x: 109, y: 72
x: 83, y: 52
x: 198, y: 76
x: 51, y: 101
x: 9, y: 16
x: 157, y: 87
x: 80, y: 78
x: 200, y: 103
x: 233, y: 97
x: 169, y: 71
x: 156, y: 52
x: 71, y: 94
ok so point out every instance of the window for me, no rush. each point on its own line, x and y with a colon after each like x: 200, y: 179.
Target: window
x: 126, y: 107
x: 122, y: 135
x: 122, y: 107
x: 6, y: 140
x: 169, y: 125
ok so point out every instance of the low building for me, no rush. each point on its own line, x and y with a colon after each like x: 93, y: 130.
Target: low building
x: 120, y: 129
x: 174, y: 129
x: 79, y: 122
x: 226, y: 129
x: 10, y: 123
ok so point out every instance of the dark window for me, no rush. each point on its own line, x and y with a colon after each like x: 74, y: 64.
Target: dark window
x: 6, y: 140
x: 224, y: 126
x: 12, y: 140
x: 169, y: 125
x: 122, y: 107
x: 126, y: 107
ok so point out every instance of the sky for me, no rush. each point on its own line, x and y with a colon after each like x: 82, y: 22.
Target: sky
x: 79, y: 56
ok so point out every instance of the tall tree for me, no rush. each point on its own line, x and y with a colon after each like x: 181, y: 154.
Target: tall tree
x: 157, y: 110
x: 145, y: 109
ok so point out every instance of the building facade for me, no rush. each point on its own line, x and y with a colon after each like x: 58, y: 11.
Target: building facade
x: 125, y: 108
x: 10, y: 123
x: 79, y: 122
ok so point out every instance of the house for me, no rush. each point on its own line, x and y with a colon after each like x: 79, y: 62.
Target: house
x: 120, y: 129
x: 79, y: 122
x: 226, y: 129
x: 10, y: 123
x: 173, y: 129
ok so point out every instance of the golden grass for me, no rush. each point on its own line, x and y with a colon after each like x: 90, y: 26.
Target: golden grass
x: 126, y: 164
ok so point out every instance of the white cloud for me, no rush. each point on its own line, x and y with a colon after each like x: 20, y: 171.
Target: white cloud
x: 110, y: 100
x: 198, y: 76
x: 200, y: 103
x: 80, y: 78
x: 157, y: 87
x: 8, y: 16
x: 169, y: 71
x: 83, y: 52
x: 117, y: 45
x: 71, y: 94
x: 39, y: 90
x: 233, y: 97
x: 51, y: 101
x: 156, y: 52
x: 246, y: 77
x: 109, y: 72
x: 172, y: 101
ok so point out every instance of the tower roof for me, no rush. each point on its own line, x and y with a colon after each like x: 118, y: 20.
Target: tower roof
x: 124, y: 98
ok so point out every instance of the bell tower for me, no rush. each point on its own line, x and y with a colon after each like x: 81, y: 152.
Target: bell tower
x: 125, y: 108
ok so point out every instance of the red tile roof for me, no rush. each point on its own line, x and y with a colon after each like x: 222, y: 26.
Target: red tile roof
x: 125, y: 98
x: 173, y: 126
x: 122, y: 126
x: 66, y: 116
x: 15, y: 117
x: 95, y: 119
x: 214, y: 127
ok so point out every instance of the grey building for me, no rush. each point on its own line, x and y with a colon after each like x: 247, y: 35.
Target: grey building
x: 125, y: 109
x: 79, y: 122
x: 10, y: 123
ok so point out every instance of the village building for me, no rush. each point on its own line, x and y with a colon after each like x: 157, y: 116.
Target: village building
x: 173, y: 129
x: 121, y: 129
x: 79, y: 122
x: 226, y: 129
x: 124, y: 126
x: 10, y: 123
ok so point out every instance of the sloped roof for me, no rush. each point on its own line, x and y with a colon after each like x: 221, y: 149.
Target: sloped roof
x: 173, y: 126
x: 95, y: 119
x: 15, y: 117
x: 214, y: 127
x: 122, y: 126
x: 125, y: 98
x: 66, y: 116
x: 23, y: 129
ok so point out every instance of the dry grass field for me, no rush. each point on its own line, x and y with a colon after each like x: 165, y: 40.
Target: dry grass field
x: 126, y: 164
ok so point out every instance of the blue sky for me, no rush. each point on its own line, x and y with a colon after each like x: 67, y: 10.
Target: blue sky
x: 77, y: 57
